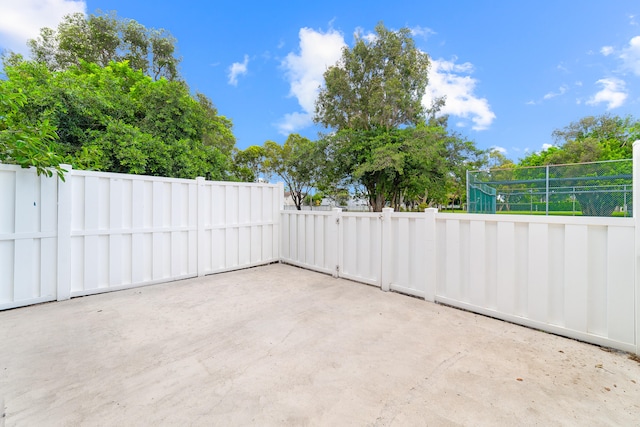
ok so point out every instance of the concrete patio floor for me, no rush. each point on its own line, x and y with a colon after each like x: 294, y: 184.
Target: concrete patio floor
x: 278, y: 345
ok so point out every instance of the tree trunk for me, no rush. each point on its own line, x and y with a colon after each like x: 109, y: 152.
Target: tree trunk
x: 377, y: 202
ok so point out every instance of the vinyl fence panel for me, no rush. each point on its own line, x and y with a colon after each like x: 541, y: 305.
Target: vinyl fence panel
x: 310, y: 240
x: 28, y: 237
x: 97, y: 232
x: 568, y: 275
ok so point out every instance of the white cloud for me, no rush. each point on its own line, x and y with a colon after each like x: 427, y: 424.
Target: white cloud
x: 369, y: 37
x: 21, y: 20
x: 606, y: 50
x: 452, y: 81
x: 499, y: 149
x: 630, y: 56
x: 424, y: 32
x: 294, y: 121
x: 613, y: 93
x: 238, y: 69
x: 561, y: 91
x: 304, y: 71
x: 545, y: 147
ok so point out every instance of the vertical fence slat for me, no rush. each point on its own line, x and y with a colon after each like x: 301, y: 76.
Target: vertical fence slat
x: 63, y: 285
x: 430, y: 261
x: 538, y: 272
x: 556, y: 274
x: 319, y: 241
x: 620, y: 286
x: 506, y: 254
x: 477, y: 262
x: 309, y: 243
x: 202, y: 219
x: 452, y: 259
x: 116, y: 252
x: 137, y: 238
x: 597, y: 280
x: 401, y: 238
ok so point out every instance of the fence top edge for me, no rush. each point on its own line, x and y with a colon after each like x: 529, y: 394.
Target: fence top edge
x: 297, y: 212
x: 133, y: 177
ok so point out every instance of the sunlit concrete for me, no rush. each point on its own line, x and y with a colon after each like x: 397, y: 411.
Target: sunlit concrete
x: 278, y: 345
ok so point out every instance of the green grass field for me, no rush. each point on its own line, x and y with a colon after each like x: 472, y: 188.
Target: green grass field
x: 554, y: 213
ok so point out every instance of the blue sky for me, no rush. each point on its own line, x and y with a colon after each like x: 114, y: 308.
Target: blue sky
x: 512, y: 71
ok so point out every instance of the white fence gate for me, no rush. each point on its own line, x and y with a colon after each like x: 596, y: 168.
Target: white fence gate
x: 97, y: 232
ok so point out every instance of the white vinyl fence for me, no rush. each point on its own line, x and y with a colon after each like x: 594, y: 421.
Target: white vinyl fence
x: 97, y: 232
x: 568, y: 275
x: 573, y: 276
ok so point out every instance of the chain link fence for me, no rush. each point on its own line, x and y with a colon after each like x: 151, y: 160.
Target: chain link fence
x: 590, y: 189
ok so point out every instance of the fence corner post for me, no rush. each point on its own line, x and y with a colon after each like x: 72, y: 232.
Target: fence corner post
x: 636, y: 222
x: 386, y: 261
x: 336, y: 236
x: 63, y: 285
x: 201, y: 235
x: 430, y: 254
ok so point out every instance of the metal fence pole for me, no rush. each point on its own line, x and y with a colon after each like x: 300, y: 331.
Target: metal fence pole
x: 468, y: 195
x: 547, y: 192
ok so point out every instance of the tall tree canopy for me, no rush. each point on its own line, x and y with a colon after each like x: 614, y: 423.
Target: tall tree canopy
x: 406, y: 167
x: 23, y: 142
x: 296, y: 162
x: 248, y: 164
x: 379, y: 83
x: 116, y: 119
x: 382, y: 138
x: 103, y: 93
x: 104, y: 38
x: 590, y: 139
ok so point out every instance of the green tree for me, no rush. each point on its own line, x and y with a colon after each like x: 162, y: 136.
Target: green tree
x: 375, y: 88
x: 296, y: 162
x: 117, y: 119
x: 379, y: 83
x: 24, y: 143
x: 406, y: 167
x: 590, y: 139
x: 104, y: 38
x: 248, y: 164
